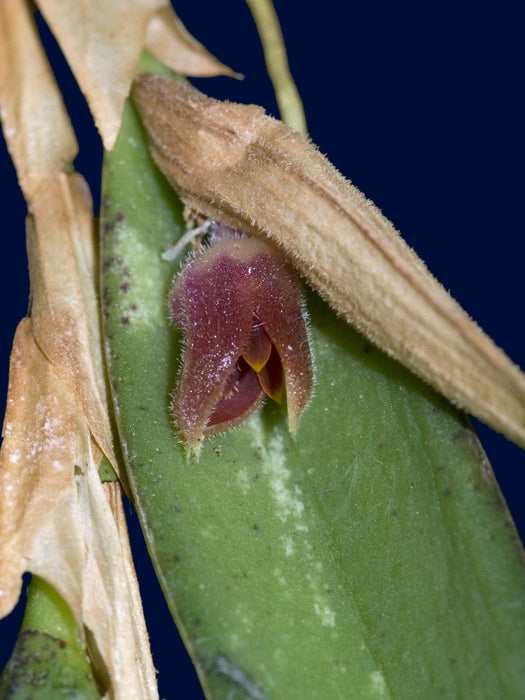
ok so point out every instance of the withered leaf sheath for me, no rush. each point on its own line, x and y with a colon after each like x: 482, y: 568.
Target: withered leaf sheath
x: 234, y: 164
x: 239, y: 305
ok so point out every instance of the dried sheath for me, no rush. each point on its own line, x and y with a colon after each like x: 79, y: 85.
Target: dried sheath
x: 234, y: 164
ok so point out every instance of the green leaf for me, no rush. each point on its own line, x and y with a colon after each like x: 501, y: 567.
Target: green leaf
x: 49, y: 661
x: 373, y: 556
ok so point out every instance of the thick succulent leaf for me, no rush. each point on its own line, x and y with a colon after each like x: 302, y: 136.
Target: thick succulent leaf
x: 49, y: 660
x: 372, y: 556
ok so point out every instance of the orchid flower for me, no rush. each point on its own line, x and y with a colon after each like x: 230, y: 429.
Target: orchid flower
x: 239, y: 304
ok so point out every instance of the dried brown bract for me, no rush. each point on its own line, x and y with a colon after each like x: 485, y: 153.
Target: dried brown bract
x: 57, y: 519
x: 234, y: 164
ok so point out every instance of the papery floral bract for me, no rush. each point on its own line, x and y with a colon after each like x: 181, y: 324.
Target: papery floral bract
x: 239, y: 305
x: 233, y: 163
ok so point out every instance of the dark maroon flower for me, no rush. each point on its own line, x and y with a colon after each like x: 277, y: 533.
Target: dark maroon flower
x: 239, y: 305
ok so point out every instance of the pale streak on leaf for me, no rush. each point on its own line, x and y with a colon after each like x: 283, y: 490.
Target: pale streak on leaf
x: 171, y: 43
x: 28, y: 93
x: 233, y: 163
x: 62, y: 259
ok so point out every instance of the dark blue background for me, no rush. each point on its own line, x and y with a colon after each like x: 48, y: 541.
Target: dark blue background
x: 421, y: 107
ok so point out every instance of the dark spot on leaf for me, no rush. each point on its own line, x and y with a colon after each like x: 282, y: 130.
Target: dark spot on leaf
x: 447, y: 491
x: 124, y: 320
x: 242, y: 575
x: 177, y: 509
x: 176, y: 558
x: 133, y: 307
x: 256, y: 527
x: 108, y: 227
x: 124, y: 287
x: 107, y: 263
x: 218, y: 451
x: 34, y: 648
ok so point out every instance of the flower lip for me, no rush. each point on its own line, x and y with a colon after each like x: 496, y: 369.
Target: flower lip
x: 271, y: 376
x: 239, y: 305
x: 242, y: 393
x: 259, y: 348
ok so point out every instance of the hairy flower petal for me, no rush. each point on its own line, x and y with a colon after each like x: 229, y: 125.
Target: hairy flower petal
x: 239, y: 306
x: 241, y: 397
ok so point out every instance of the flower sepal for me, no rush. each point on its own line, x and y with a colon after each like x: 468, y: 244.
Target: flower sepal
x: 238, y: 303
